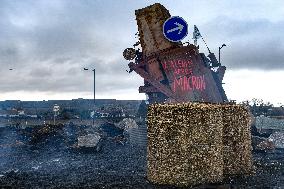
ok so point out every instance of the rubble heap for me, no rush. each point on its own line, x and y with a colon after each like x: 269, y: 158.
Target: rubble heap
x: 188, y: 145
x: 43, y: 132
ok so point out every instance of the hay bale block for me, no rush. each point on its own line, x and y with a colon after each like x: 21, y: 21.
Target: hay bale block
x: 184, y: 144
x: 236, y: 140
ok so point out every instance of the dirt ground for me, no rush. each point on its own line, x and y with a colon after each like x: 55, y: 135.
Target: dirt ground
x: 53, y: 165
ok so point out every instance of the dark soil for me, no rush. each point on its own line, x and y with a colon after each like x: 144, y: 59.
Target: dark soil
x: 53, y: 165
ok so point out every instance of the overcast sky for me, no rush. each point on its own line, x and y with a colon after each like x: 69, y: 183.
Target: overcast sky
x: 48, y: 43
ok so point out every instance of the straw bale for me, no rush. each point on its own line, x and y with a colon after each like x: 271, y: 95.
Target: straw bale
x: 184, y: 143
x: 236, y: 140
x: 196, y: 143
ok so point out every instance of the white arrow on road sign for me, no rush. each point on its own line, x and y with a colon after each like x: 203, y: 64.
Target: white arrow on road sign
x: 175, y: 29
x: 179, y: 27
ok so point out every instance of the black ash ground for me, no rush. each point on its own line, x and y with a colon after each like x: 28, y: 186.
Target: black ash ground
x: 51, y: 164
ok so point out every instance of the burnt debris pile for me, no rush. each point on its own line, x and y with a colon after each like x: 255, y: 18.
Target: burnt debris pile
x: 71, y: 136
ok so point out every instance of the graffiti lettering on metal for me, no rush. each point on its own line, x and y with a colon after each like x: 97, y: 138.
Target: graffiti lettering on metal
x: 189, y: 83
x: 183, y: 77
x: 179, y: 66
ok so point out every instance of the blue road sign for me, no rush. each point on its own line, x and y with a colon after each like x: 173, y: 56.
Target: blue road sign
x: 175, y: 29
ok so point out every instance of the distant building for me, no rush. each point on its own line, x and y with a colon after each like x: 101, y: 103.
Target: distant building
x: 75, y: 107
x: 21, y: 112
x: 3, y: 113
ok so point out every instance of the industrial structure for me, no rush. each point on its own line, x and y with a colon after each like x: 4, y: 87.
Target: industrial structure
x: 172, y: 71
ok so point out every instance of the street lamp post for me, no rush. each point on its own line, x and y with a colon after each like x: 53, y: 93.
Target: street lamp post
x: 94, y: 70
x: 224, y: 45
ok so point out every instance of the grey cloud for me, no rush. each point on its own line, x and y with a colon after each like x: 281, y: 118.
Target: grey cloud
x: 50, y: 54
x: 40, y: 72
x: 70, y: 77
x: 252, y: 44
x: 48, y: 43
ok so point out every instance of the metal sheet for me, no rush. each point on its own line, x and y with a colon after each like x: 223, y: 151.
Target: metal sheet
x: 187, y: 75
x: 150, y: 22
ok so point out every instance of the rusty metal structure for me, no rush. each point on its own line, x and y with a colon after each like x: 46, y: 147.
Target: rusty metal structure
x: 172, y: 72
